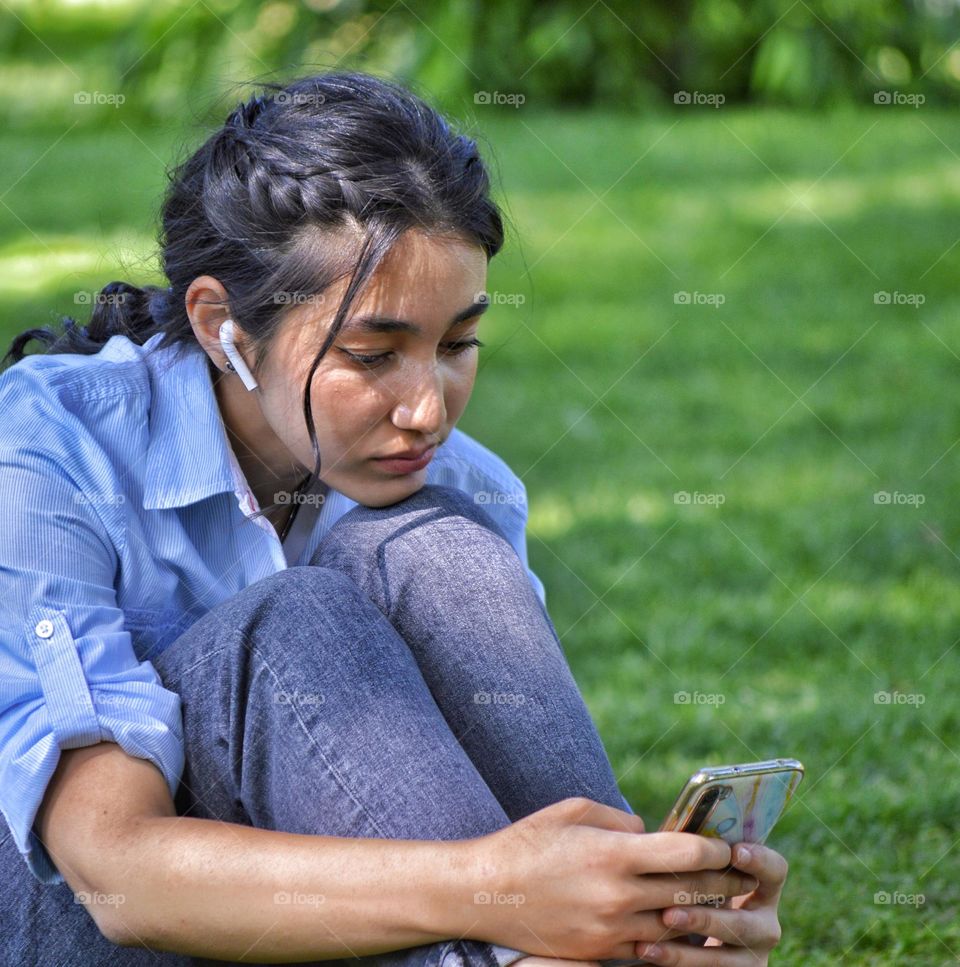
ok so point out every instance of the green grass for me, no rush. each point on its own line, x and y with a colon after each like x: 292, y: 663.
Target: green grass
x: 796, y: 599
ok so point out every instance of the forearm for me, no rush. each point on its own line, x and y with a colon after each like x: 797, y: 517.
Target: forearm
x: 221, y: 890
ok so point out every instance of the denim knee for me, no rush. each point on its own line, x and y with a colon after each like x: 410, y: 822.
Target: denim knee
x: 455, y: 501
x: 257, y: 616
x: 447, y: 502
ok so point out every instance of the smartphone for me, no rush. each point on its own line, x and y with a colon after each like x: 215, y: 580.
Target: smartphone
x: 738, y: 804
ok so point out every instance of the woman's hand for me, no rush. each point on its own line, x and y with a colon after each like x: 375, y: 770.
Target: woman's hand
x: 577, y: 880
x: 745, y: 930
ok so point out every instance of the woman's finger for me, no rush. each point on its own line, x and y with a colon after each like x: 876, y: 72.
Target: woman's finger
x: 588, y: 812
x: 659, y: 890
x: 767, y: 865
x: 679, y: 954
x: 677, y: 853
x: 740, y: 928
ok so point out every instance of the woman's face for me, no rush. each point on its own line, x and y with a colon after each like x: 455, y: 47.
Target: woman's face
x: 412, y: 385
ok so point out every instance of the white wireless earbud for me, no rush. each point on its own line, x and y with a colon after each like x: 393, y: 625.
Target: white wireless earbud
x: 239, y: 366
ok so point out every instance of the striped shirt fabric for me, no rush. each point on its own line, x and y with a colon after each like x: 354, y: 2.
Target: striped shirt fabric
x: 126, y: 518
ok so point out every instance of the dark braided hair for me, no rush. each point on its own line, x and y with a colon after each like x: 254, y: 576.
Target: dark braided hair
x: 263, y: 206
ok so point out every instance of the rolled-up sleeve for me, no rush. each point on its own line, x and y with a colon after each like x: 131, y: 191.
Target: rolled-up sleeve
x: 69, y: 676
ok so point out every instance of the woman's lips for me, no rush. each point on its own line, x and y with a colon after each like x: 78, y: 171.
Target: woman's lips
x: 397, y: 465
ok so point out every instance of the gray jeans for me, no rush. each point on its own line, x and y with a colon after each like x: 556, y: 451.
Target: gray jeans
x: 406, y: 684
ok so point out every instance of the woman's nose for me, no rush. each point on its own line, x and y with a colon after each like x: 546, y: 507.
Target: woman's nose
x: 422, y: 406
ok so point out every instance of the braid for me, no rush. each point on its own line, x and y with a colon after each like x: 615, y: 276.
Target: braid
x: 302, y: 183
x: 245, y: 114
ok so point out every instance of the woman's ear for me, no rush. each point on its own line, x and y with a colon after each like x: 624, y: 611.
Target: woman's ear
x: 207, y: 309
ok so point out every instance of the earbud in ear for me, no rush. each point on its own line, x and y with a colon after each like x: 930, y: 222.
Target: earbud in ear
x: 231, y: 352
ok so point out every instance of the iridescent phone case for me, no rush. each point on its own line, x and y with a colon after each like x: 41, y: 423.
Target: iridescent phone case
x: 737, y: 804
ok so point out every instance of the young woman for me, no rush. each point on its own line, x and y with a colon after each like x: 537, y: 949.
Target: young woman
x: 256, y: 706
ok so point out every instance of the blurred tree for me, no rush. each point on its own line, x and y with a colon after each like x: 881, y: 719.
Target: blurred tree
x: 164, y: 55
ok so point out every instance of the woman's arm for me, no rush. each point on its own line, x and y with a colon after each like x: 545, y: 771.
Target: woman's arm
x: 223, y: 890
x: 576, y: 879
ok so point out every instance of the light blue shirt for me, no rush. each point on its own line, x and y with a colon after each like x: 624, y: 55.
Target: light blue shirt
x: 126, y: 519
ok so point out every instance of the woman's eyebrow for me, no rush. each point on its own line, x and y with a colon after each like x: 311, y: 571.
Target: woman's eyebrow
x: 362, y: 324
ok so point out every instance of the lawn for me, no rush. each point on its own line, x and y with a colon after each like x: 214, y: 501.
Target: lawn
x: 723, y: 361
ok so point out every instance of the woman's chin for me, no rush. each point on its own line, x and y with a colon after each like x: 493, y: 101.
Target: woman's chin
x: 386, y: 490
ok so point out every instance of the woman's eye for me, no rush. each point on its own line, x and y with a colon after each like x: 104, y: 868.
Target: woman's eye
x: 461, y: 347
x: 368, y: 361
x: 372, y: 362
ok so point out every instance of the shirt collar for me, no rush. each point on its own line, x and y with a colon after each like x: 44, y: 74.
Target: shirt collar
x: 189, y: 456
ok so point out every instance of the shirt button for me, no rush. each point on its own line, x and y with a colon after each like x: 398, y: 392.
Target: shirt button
x: 44, y: 628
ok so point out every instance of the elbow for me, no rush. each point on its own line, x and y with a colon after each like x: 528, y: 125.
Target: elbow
x: 115, y: 923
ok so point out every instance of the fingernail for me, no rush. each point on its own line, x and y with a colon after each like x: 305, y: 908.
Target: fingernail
x: 677, y: 918
x: 652, y: 951
x: 745, y: 855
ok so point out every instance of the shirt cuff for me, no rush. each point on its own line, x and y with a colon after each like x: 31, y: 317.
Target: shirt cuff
x: 505, y: 955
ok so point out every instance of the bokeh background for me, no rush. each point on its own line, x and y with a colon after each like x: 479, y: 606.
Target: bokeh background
x: 723, y: 358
